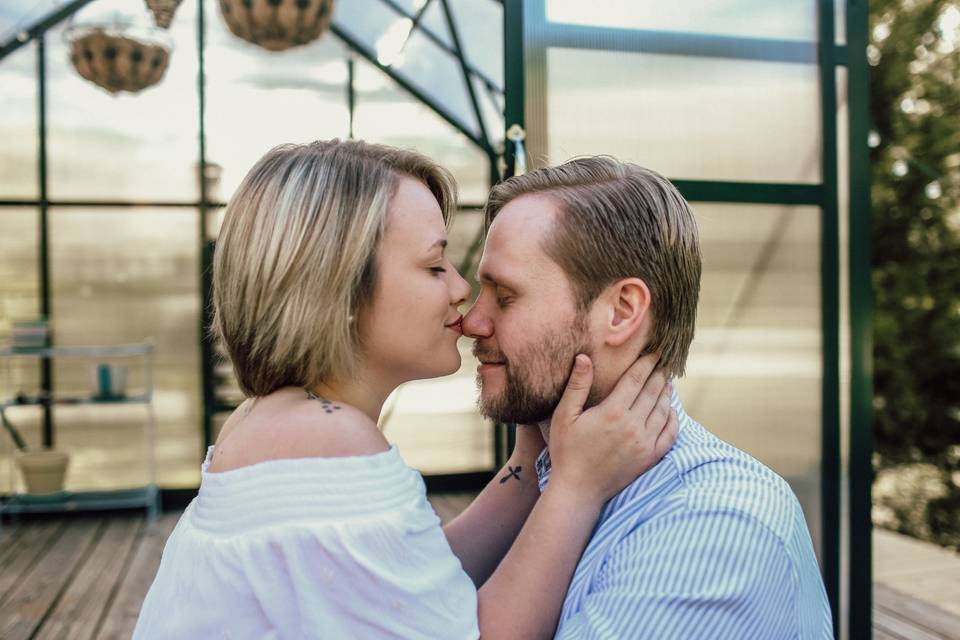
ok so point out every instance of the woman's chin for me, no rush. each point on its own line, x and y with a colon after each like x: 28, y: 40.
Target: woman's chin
x: 449, y: 366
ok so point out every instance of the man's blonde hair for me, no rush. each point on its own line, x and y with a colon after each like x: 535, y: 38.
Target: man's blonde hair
x: 295, y: 261
x: 619, y: 220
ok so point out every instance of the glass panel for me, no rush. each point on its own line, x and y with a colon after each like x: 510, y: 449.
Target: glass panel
x: 750, y: 18
x: 387, y: 114
x: 759, y: 341
x: 843, y: 195
x: 16, y: 15
x: 123, y: 276
x: 435, y: 423
x: 688, y: 117
x: 19, y: 266
x: 434, y: 20
x: 480, y: 24
x: 19, y: 300
x: 418, y: 60
x: 257, y: 99
x: 491, y: 108
x: 840, y: 21
x: 136, y: 147
x: 18, y: 124
x: 439, y: 76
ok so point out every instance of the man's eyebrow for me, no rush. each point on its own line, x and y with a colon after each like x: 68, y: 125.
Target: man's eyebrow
x: 485, y: 277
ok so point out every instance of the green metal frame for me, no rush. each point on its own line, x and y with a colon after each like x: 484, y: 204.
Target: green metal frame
x: 861, y: 327
x: 521, y: 18
x: 830, y: 315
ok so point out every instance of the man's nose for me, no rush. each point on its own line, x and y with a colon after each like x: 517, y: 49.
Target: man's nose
x: 476, y: 324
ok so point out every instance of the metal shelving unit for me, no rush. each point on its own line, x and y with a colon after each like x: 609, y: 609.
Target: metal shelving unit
x: 148, y: 496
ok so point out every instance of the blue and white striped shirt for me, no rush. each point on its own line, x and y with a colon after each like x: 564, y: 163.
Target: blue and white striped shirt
x: 709, y: 543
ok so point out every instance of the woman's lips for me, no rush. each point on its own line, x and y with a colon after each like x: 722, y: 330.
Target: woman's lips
x: 456, y: 327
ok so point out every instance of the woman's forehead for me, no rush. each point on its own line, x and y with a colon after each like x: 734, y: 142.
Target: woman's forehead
x: 414, y: 219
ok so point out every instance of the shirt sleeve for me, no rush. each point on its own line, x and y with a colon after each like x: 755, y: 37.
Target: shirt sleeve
x: 394, y: 578
x: 695, y: 575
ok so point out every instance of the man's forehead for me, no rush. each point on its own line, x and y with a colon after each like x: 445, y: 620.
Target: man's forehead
x: 514, y: 245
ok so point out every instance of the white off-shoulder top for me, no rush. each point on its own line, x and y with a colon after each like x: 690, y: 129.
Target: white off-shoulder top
x: 310, y: 548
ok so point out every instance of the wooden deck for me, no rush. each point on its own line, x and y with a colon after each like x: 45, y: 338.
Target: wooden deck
x: 85, y: 577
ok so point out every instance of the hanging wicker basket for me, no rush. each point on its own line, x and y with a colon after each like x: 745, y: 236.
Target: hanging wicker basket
x: 163, y: 11
x: 277, y: 24
x: 117, y: 60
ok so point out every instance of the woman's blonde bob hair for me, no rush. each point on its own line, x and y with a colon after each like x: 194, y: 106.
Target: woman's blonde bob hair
x: 295, y: 261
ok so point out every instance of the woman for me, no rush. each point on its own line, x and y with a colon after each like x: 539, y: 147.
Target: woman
x: 331, y: 289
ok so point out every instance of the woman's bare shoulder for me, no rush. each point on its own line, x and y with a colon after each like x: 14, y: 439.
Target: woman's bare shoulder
x: 295, y: 426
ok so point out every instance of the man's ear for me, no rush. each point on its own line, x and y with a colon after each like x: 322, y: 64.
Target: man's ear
x: 629, y: 310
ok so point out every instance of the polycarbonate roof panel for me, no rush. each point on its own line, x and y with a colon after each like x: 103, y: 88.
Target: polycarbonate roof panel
x: 18, y: 15
x: 480, y: 25
x: 434, y: 21
x: 428, y: 62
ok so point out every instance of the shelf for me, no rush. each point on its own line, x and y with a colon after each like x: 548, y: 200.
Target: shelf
x: 67, y: 501
x: 105, y: 351
x: 37, y: 402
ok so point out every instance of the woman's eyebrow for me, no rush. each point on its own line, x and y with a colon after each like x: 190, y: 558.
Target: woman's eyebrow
x: 439, y: 243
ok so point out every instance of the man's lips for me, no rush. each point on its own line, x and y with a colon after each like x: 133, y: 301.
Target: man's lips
x: 487, y: 365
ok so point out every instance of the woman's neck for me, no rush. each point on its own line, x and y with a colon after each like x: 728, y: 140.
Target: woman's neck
x: 363, y: 392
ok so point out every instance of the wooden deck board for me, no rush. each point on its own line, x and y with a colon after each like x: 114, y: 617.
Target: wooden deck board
x: 80, y: 609
x: 82, y: 578
x: 918, y: 569
x: 34, y: 540
x: 9, y: 537
x: 142, y: 567
x: 921, y: 615
x: 29, y: 602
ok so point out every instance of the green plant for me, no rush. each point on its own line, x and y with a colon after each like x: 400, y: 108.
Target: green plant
x: 915, y: 110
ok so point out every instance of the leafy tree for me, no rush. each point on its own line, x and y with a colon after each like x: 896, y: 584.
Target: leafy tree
x: 915, y: 109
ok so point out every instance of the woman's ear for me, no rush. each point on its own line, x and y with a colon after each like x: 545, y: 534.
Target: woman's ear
x: 629, y: 301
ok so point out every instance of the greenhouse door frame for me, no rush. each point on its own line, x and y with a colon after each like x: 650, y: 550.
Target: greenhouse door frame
x: 523, y: 17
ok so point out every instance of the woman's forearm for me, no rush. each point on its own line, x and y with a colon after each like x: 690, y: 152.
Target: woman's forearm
x: 523, y: 597
x: 482, y: 534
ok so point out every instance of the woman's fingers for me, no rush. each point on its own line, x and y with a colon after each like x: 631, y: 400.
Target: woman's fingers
x: 668, y: 435
x: 578, y: 388
x: 648, y: 398
x: 657, y: 412
x: 631, y: 383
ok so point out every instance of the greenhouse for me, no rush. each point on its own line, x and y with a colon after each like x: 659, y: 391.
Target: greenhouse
x: 115, y: 177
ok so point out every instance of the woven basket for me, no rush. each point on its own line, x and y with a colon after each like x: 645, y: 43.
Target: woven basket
x: 163, y: 11
x: 277, y: 24
x: 118, y: 62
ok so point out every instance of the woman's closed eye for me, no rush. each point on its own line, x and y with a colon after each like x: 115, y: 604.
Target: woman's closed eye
x: 438, y: 270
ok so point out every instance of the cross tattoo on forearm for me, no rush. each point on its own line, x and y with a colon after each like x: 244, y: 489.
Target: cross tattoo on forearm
x: 514, y: 473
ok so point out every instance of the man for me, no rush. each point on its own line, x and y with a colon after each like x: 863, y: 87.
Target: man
x: 601, y: 257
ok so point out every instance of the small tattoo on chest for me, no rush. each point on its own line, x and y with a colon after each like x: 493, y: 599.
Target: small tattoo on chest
x: 327, y: 405
x: 513, y: 473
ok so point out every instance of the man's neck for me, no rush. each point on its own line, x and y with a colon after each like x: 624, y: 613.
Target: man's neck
x: 545, y: 424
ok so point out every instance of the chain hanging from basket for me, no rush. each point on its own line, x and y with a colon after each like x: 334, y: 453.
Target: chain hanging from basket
x: 277, y: 25
x: 119, y: 56
x: 163, y: 11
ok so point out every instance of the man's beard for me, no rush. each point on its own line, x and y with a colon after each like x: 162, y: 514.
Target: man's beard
x: 535, y: 377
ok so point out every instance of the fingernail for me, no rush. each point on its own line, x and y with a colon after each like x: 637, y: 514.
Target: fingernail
x: 580, y: 362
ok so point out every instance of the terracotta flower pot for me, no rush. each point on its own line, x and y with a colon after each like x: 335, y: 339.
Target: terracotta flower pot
x: 43, y: 471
